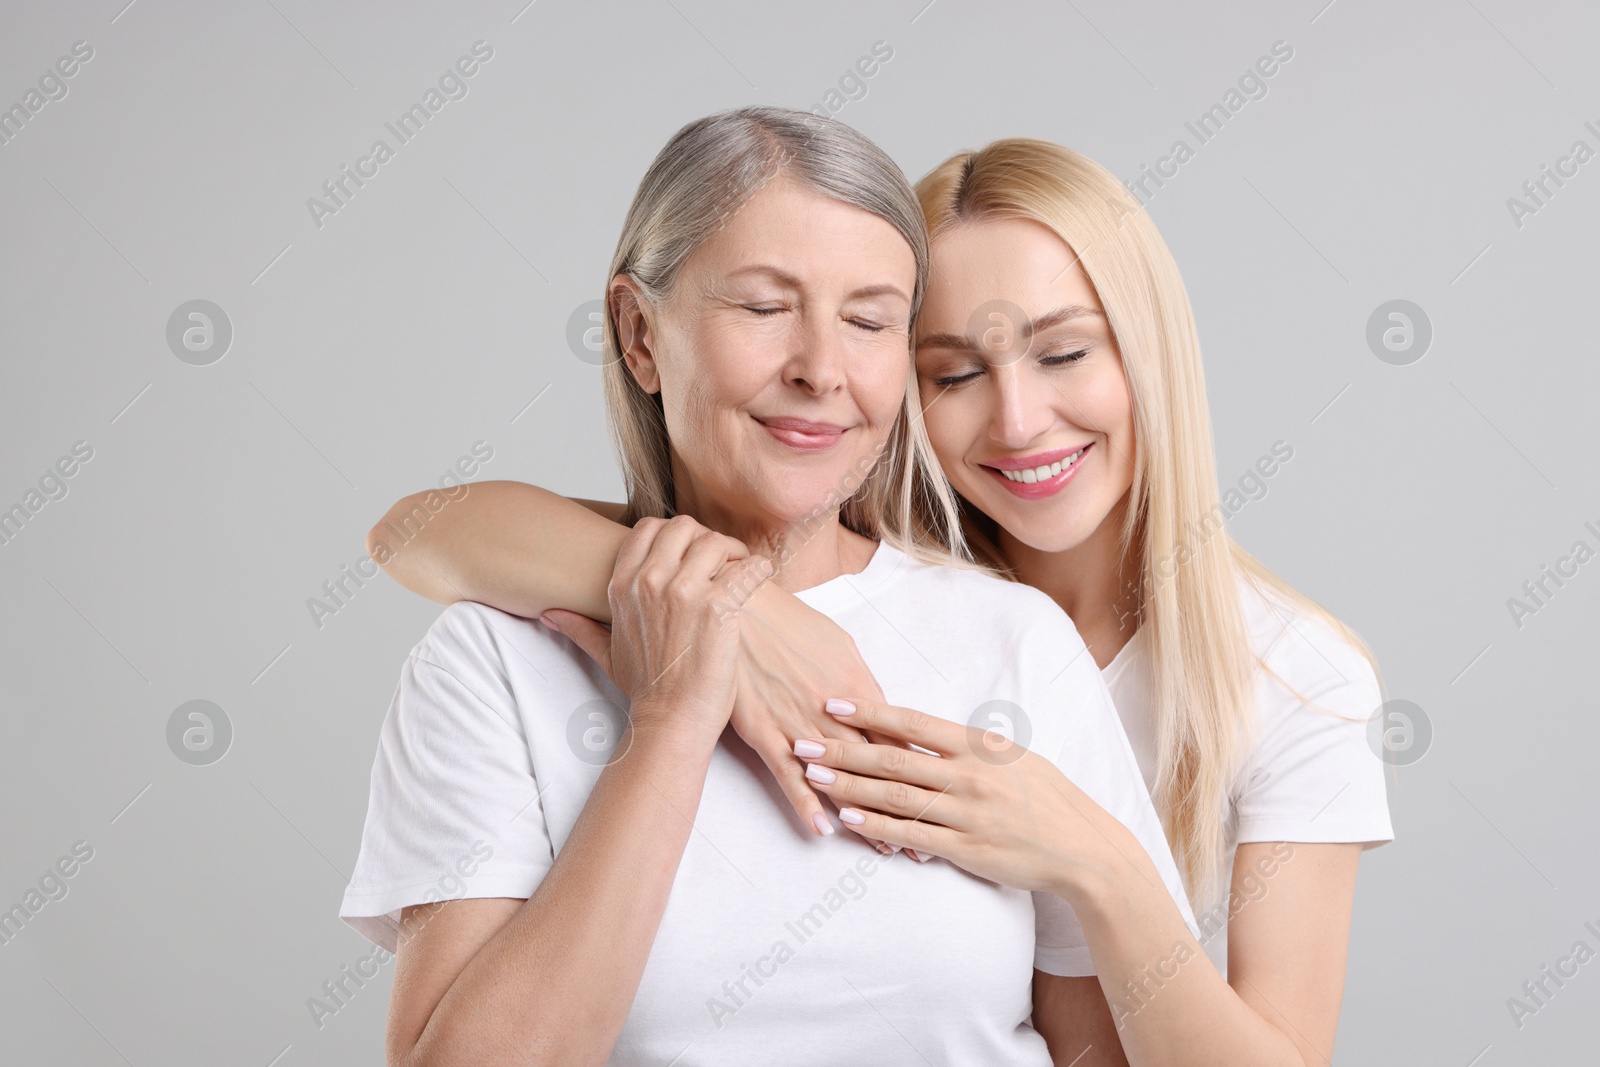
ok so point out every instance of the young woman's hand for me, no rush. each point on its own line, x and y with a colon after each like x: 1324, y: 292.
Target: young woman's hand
x: 986, y: 804
x: 673, y: 647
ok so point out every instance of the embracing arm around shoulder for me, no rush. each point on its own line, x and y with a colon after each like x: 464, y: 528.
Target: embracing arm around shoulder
x: 528, y: 552
x: 513, y: 546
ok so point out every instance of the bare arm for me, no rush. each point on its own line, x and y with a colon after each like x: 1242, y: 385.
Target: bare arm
x: 551, y: 980
x: 1072, y: 1017
x: 1287, y: 949
x: 509, y: 545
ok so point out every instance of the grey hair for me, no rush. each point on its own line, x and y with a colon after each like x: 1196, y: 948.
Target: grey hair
x: 697, y: 182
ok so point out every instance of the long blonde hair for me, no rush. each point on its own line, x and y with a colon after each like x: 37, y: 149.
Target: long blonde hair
x: 697, y: 182
x: 1202, y: 664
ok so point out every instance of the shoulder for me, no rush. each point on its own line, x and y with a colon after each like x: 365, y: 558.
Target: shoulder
x: 989, y: 605
x: 1300, y: 647
x: 482, y: 646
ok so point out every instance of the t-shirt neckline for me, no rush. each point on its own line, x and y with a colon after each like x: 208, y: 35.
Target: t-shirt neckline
x: 836, y: 593
x: 1124, y: 657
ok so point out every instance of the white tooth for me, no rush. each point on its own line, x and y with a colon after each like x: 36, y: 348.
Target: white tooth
x: 1030, y: 476
x: 1056, y: 468
x: 1011, y: 476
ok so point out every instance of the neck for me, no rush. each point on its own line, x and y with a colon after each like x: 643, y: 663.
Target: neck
x: 1093, y: 582
x: 805, y: 552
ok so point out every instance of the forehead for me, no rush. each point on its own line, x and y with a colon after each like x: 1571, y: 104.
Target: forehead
x: 1014, y: 260
x: 794, y: 227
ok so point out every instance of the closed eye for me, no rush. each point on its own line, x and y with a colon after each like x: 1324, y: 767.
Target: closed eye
x: 1063, y: 357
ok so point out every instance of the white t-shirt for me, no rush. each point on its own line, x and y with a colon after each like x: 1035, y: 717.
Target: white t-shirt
x: 1310, y: 775
x: 776, y: 946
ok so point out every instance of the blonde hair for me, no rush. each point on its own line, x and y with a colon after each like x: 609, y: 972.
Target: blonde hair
x: 697, y: 182
x: 1201, y: 659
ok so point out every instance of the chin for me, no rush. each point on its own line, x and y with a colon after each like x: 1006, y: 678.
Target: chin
x: 1044, y: 529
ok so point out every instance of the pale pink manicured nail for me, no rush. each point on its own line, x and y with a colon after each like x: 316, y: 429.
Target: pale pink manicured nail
x: 835, y: 706
x: 820, y: 821
x: 852, y: 816
x: 919, y: 857
x: 809, y: 749
x: 818, y: 773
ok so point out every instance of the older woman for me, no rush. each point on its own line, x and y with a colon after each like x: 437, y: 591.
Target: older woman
x: 635, y: 886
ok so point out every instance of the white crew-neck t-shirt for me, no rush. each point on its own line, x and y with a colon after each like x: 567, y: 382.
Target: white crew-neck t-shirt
x: 1310, y: 775
x: 776, y: 946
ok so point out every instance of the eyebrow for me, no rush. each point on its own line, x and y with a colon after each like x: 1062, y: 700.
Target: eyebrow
x: 784, y: 277
x: 1044, y: 322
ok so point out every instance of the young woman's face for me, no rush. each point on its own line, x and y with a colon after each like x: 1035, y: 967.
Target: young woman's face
x: 1022, y: 386
x: 782, y: 355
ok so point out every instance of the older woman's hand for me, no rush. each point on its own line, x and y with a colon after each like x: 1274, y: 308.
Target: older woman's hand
x: 674, y: 644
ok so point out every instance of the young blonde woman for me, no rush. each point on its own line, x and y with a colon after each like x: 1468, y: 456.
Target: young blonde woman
x: 1061, y: 385
x: 635, y: 890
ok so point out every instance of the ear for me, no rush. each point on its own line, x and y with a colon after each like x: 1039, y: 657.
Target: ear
x: 635, y: 332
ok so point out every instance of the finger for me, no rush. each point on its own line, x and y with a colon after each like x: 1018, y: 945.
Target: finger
x: 636, y: 546
x: 790, y: 775
x: 708, y: 554
x: 593, y: 638
x: 667, y: 548
x: 886, y: 762
x: 905, y: 724
x: 928, y: 839
x: 774, y: 751
x: 880, y: 739
x: 888, y: 796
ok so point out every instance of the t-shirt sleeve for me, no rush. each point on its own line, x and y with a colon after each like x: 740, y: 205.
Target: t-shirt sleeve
x: 1313, y: 775
x: 1096, y: 755
x: 453, y: 810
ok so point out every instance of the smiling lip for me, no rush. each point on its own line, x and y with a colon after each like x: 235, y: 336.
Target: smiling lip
x: 803, y: 435
x: 1044, y: 487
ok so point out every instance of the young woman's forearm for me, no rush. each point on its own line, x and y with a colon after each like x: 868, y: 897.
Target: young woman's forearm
x: 556, y: 983
x: 1170, y: 1003
x: 509, y: 545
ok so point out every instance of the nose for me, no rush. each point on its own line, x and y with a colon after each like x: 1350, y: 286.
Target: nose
x: 816, y: 360
x: 1020, y: 412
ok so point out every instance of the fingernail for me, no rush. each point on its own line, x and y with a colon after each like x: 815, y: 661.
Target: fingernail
x: 885, y: 849
x: 919, y: 857
x: 550, y: 624
x: 809, y: 749
x: 852, y: 816
x: 835, y: 706
x: 820, y: 821
x: 818, y: 773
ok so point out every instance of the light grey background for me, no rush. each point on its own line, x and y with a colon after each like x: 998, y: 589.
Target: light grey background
x: 371, y: 353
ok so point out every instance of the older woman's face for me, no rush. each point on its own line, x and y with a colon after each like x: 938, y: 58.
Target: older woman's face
x: 782, y: 356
